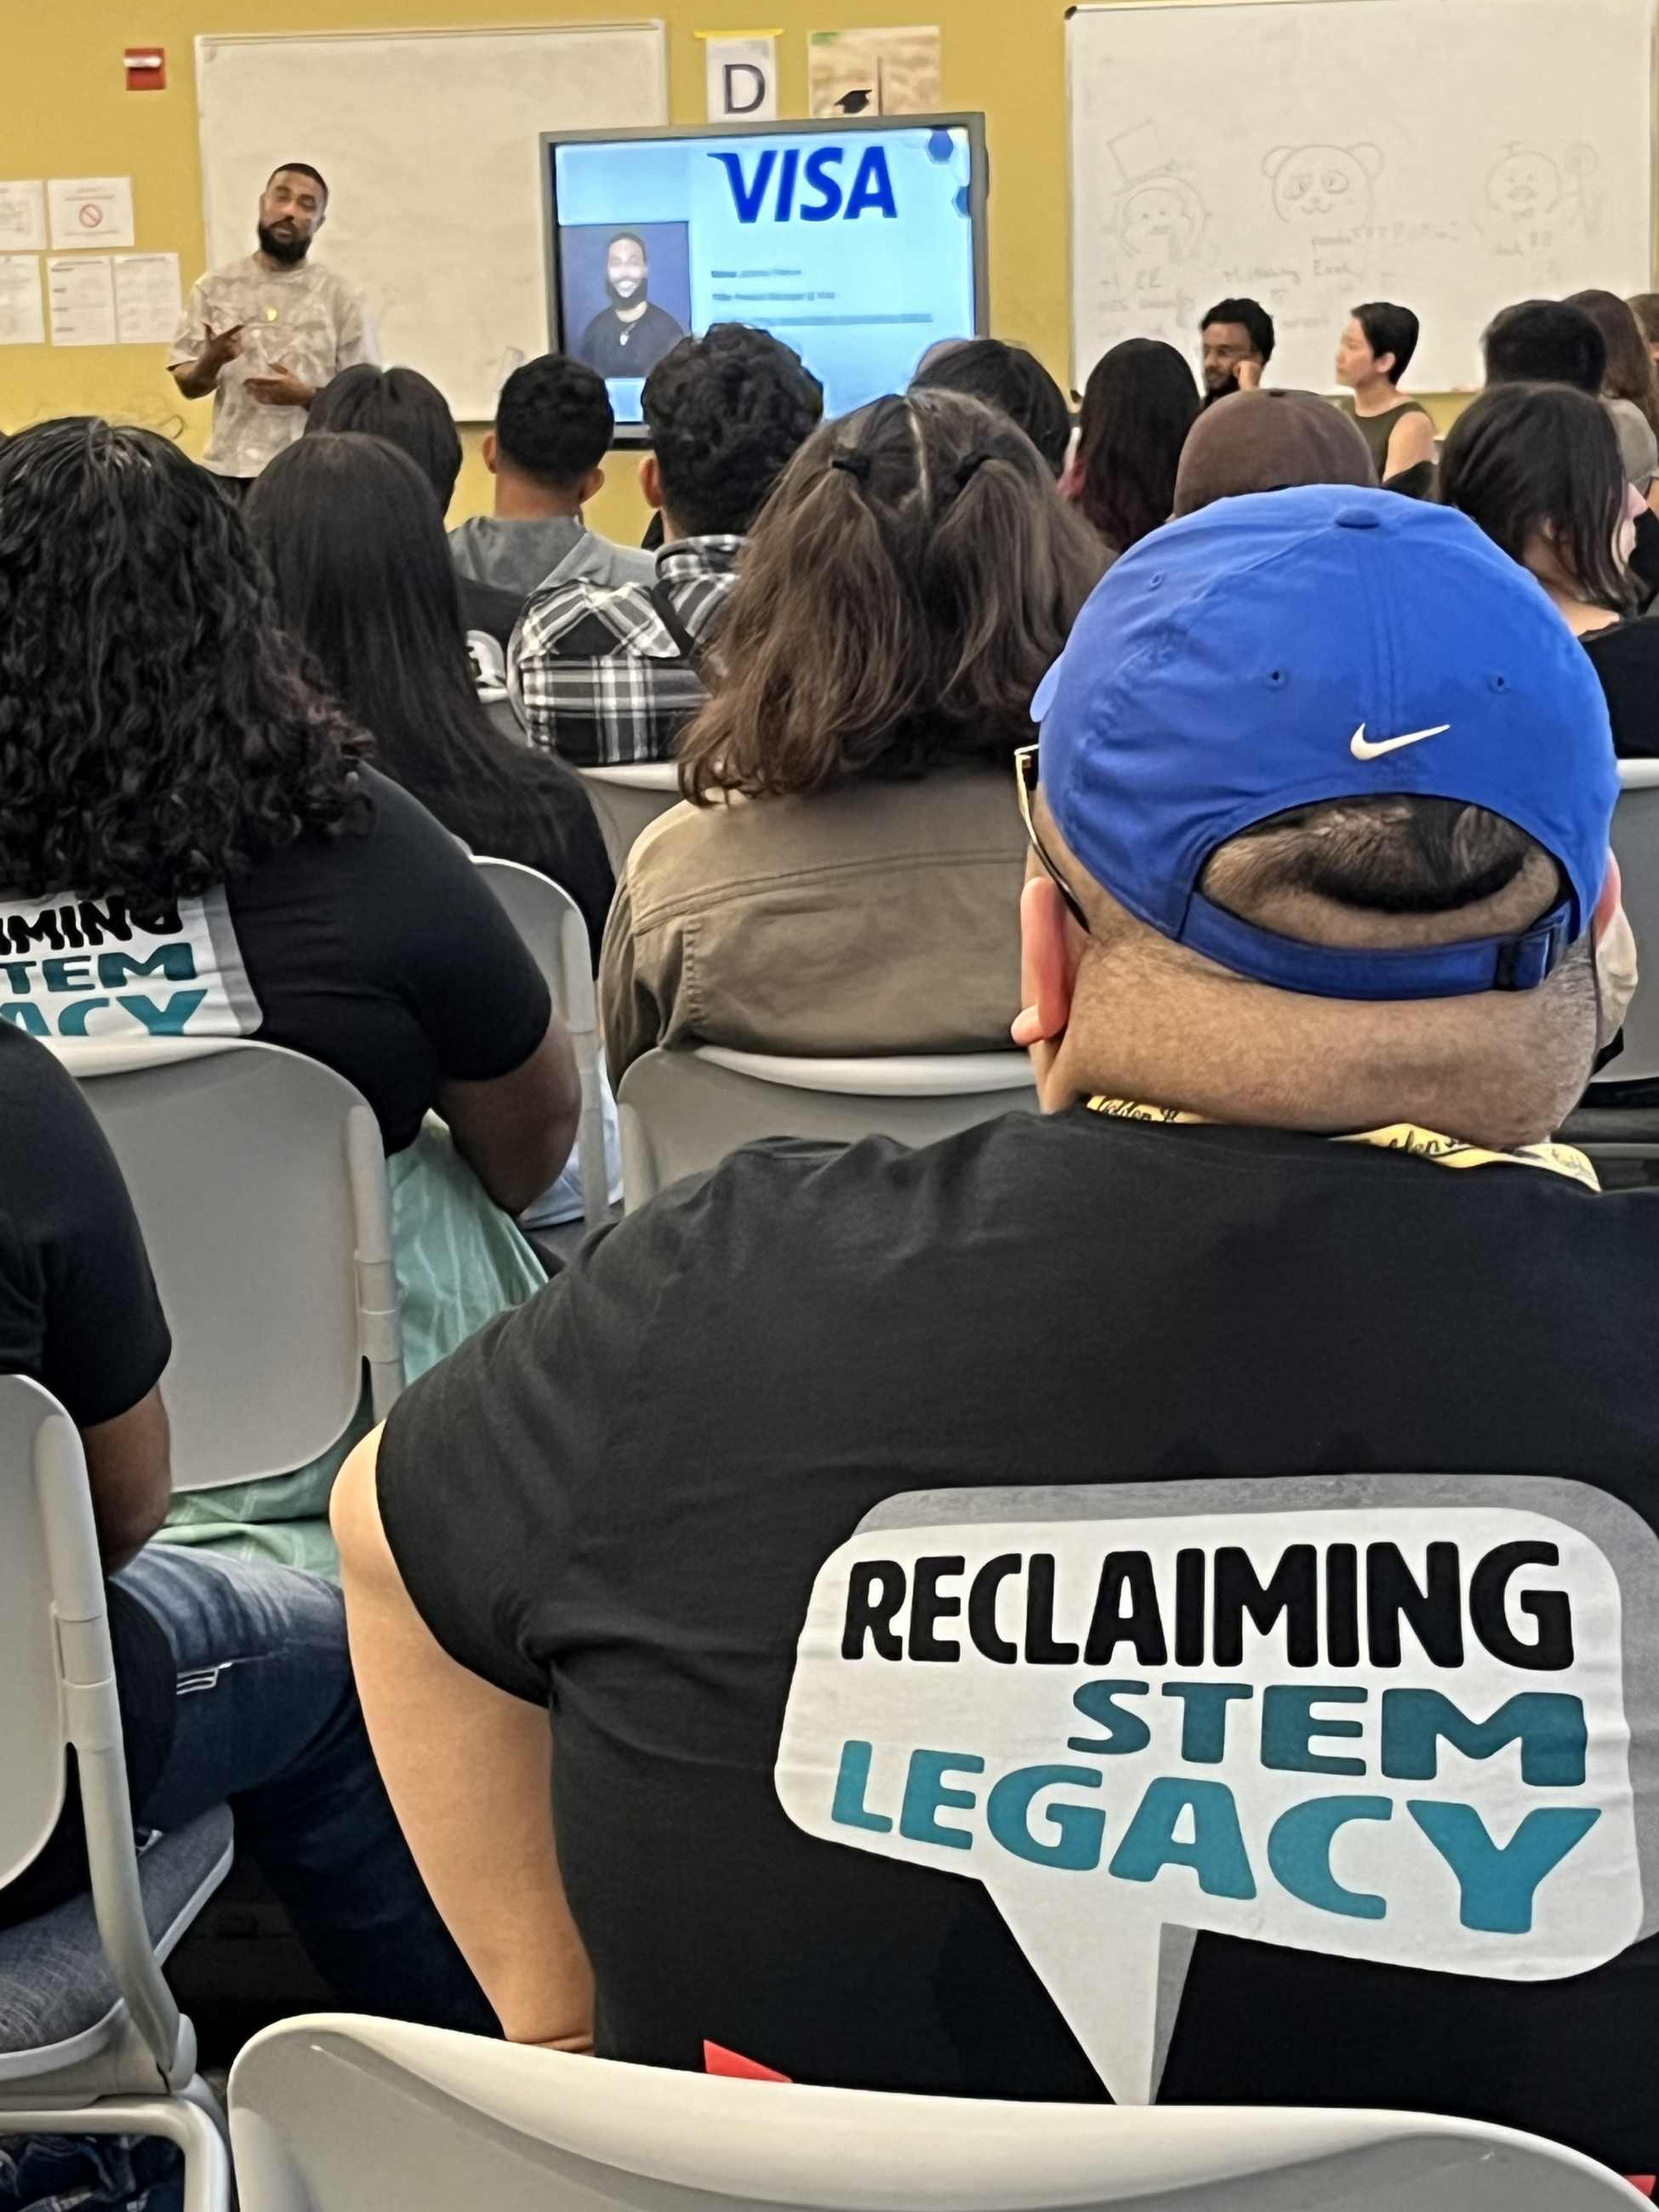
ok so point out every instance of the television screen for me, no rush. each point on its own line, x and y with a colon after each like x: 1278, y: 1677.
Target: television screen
x: 859, y: 244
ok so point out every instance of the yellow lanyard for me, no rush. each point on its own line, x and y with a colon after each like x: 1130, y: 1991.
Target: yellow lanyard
x: 1398, y: 1137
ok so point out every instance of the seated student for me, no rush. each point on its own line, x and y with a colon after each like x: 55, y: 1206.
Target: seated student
x: 1537, y: 466
x: 1268, y: 442
x: 355, y: 543
x: 1630, y: 380
x: 607, y: 673
x: 176, y: 792
x: 1287, y: 1242
x: 1236, y: 339
x: 1138, y: 406
x: 553, y: 429
x: 1644, y: 305
x: 408, y: 410
x: 1377, y: 342
x: 272, y: 1722
x: 1008, y: 377
x: 845, y: 880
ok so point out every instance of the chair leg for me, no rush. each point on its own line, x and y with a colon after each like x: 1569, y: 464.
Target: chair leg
x: 201, y: 2138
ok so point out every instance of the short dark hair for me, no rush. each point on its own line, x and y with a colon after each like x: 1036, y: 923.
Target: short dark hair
x: 554, y: 419
x: 1008, y: 377
x: 1388, y: 329
x: 1382, y: 853
x: 1545, y: 342
x: 724, y: 413
x: 1524, y: 455
x: 300, y: 169
x: 1139, y: 404
x: 1254, y: 316
x: 155, y: 734
x: 400, y: 405
x: 633, y: 238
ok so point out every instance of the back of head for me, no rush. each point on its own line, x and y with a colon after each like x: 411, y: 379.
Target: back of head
x: 1630, y: 372
x: 908, y: 582
x: 724, y: 412
x: 402, y: 406
x: 354, y: 540
x: 1526, y: 459
x: 1008, y: 377
x: 1545, y: 342
x: 1430, y: 880
x: 1644, y: 305
x: 155, y: 738
x: 1257, y: 322
x: 1390, y: 329
x: 554, y: 422
x: 1138, y: 406
x: 1268, y: 442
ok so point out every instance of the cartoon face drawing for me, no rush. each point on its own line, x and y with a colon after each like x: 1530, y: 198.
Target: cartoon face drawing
x: 1524, y: 184
x: 1323, y: 184
x: 1160, y: 219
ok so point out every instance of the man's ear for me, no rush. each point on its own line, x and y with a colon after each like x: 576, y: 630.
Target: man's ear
x: 590, y: 487
x: 1048, y: 954
x: 490, y: 452
x: 651, y: 480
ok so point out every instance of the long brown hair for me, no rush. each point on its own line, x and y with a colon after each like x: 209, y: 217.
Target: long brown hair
x: 907, y: 585
x: 1630, y: 371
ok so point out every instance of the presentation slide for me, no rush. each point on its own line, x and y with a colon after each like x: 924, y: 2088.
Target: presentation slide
x: 855, y: 245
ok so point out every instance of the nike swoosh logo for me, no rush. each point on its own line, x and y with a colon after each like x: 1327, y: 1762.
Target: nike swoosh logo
x: 1362, y: 748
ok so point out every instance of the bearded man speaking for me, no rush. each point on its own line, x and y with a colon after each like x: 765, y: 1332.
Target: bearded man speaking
x: 631, y: 335
x: 266, y: 333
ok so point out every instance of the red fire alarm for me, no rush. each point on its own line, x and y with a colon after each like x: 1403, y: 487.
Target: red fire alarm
x: 147, y: 69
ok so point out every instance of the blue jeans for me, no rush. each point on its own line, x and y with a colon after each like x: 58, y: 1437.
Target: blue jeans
x: 268, y: 1720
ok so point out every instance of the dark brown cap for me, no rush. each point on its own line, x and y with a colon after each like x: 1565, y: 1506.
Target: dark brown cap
x: 1264, y: 441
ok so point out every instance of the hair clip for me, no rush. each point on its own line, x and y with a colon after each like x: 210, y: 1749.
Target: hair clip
x: 854, y: 460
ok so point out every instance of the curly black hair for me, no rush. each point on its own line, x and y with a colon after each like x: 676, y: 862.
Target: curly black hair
x: 724, y: 412
x: 157, y: 733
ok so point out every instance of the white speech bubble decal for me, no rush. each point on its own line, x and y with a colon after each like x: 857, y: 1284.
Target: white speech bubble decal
x: 1387, y: 1717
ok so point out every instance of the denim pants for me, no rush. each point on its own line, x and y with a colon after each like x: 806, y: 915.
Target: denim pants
x: 268, y: 1720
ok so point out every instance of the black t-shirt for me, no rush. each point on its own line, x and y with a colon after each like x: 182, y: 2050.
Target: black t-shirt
x: 670, y: 1446
x: 613, y: 348
x: 79, y: 1315
x: 383, y: 953
x: 1626, y: 656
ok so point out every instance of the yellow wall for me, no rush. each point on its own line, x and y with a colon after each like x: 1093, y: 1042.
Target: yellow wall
x: 65, y: 111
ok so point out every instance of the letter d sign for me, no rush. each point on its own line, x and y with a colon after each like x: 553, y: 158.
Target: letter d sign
x: 742, y: 79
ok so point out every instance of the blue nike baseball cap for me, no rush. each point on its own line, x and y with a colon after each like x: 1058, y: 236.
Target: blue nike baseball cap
x: 1323, y: 642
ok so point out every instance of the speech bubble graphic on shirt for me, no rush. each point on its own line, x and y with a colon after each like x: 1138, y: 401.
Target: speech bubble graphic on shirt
x: 1404, y: 1718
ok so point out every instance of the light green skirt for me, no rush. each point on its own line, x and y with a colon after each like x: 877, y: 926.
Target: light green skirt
x: 459, y: 1262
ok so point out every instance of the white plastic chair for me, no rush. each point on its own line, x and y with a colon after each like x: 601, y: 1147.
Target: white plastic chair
x: 260, y: 1181
x: 683, y: 1112
x: 550, y: 923
x: 1632, y: 1132
x: 627, y: 798
x: 91, y: 2041
x: 331, y: 2113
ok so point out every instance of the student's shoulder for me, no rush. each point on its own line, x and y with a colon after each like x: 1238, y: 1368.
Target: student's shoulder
x: 587, y: 617
x: 36, y: 1091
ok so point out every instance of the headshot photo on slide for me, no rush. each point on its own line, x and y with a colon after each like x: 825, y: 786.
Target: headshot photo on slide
x: 624, y: 293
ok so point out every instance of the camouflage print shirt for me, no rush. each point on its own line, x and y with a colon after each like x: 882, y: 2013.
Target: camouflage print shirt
x: 307, y: 318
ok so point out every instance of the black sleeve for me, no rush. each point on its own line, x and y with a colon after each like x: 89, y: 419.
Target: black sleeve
x: 423, y: 919
x: 485, y: 1459
x: 78, y: 1307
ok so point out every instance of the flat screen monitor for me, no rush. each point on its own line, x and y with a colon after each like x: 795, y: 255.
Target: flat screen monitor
x: 859, y: 242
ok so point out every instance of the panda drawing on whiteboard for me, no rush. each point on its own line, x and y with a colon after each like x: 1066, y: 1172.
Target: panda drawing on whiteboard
x: 1330, y: 185
x: 631, y: 334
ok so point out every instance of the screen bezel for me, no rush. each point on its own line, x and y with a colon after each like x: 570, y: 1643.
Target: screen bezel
x: 970, y: 120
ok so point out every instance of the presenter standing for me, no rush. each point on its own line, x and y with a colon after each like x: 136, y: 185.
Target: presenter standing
x: 265, y: 334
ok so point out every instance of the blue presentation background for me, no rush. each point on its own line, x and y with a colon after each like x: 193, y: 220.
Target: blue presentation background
x: 860, y: 299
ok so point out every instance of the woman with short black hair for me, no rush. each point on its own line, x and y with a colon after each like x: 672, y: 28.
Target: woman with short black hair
x: 1377, y: 342
x: 1537, y: 465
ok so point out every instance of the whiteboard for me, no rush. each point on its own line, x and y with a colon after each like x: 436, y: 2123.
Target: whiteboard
x: 1451, y: 154
x: 430, y: 140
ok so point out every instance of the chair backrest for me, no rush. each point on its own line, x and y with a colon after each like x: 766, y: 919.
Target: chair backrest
x: 550, y: 923
x: 58, y: 1673
x: 627, y: 798
x: 1636, y: 842
x: 259, y: 1182
x: 683, y: 1112
x: 333, y: 2113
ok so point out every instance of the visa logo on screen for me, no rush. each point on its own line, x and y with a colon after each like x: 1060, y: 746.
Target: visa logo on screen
x: 871, y: 187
